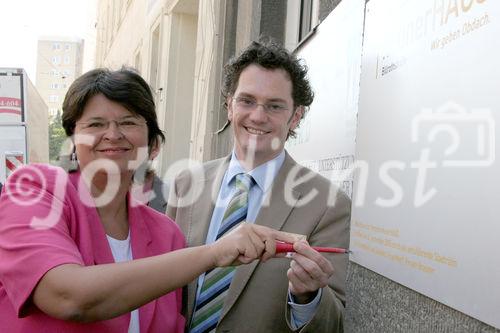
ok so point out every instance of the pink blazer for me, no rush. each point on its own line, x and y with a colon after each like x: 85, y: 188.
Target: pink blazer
x: 45, y: 222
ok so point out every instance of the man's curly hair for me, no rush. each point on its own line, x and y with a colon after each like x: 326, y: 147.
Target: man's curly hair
x: 270, y: 55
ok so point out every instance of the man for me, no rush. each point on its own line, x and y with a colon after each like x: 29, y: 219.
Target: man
x: 267, y: 94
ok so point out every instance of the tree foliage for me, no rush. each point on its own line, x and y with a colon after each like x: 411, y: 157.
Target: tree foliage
x: 56, y: 137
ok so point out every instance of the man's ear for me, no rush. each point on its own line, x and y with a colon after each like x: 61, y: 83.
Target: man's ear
x: 229, y: 106
x: 296, y: 117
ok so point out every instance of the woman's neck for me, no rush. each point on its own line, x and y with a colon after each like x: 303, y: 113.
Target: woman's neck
x: 110, y: 194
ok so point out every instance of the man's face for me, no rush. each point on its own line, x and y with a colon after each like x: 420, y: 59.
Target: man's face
x: 262, y: 112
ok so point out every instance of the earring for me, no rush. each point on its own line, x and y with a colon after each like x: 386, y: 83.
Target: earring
x: 73, y: 163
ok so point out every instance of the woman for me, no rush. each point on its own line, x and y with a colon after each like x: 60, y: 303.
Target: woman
x: 77, y: 252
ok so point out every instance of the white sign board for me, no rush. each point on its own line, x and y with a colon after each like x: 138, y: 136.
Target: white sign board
x: 427, y: 203
x: 13, y: 142
x: 11, y: 110
x: 326, y: 137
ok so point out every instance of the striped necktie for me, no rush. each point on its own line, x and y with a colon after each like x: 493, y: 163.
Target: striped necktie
x: 208, y: 305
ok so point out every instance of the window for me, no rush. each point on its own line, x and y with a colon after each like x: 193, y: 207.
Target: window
x: 308, y: 17
x: 56, y: 46
x: 53, y: 98
x: 66, y: 59
x: 56, y: 60
x: 302, y: 16
x: 54, y: 86
x: 67, y: 47
x: 155, y: 57
x: 54, y: 72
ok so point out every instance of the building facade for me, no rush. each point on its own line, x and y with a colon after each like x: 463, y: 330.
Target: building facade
x: 59, y: 62
x: 179, y: 47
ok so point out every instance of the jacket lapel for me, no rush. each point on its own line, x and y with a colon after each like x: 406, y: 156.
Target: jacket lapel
x: 101, y: 252
x: 273, y: 214
x: 202, y: 209
x: 201, y: 215
x: 140, y: 238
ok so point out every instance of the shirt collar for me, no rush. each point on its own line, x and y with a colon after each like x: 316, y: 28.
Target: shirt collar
x: 263, y: 175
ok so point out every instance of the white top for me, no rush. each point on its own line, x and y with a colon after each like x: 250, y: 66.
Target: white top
x: 122, y: 251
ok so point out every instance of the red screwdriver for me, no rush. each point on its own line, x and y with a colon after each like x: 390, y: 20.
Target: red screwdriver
x: 282, y: 247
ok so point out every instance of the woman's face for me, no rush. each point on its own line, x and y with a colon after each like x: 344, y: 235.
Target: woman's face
x: 109, y: 131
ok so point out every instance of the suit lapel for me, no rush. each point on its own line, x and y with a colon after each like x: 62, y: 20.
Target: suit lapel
x: 273, y: 214
x: 201, y: 215
x: 202, y: 209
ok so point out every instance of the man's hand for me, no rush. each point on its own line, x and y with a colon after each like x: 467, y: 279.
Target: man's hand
x: 308, y: 272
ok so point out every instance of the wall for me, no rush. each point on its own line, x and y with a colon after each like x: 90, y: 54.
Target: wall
x: 37, y: 126
x: 158, y: 38
x: 119, y: 38
x: 179, y: 88
x: 377, y: 304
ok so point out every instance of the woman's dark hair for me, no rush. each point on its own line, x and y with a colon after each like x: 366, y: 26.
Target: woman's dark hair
x: 270, y: 55
x: 123, y: 86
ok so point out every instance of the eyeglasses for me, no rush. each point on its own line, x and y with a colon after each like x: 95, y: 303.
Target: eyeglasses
x: 249, y: 104
x: 125, y: 126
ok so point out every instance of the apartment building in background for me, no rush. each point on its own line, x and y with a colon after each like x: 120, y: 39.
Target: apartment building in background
x: 59, y: 62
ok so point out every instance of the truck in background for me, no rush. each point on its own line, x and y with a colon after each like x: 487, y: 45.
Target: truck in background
x: 24, y: 123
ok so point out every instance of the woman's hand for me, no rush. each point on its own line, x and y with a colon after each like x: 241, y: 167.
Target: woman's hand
x: 246, y: 243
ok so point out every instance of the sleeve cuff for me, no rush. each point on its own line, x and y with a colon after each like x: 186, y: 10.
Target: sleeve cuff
x: 301, y: 314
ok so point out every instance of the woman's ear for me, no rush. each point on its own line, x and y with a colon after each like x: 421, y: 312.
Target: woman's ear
x: 154, y: 150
